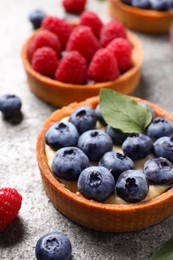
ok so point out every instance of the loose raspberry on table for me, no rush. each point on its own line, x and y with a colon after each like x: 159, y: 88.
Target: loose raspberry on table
x: 44, y: 38
x: 103, y: 66
x: 58, y: 26
x: 45, y: 61
x: 111, y: 30
x: 10, y: 204
x: 72, y: 68
x: 92, y: 20
x: 84, y: 41
x: 122, y: 51
x: 74, y: 6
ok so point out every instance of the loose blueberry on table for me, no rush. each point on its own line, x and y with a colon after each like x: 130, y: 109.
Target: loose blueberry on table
x: 104, y: 161
x: 53, y: 246
x: 10, y: 106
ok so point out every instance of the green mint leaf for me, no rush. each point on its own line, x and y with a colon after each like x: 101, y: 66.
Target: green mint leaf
x: 164, y: 252
x: 122, y: 113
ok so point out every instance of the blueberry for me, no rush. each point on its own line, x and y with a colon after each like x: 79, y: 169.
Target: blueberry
x: 132, y: 186
x: 127, y: 2
x: 137, y: 146
x: 99, y: 115
x: 160, y: 5
x: 36, y: 18
x: 84, y: 118
x: 116, y: 163
x: 117, y: 136
x: 61, y: 135
x: 160, y: 127
x: 94, y: 143
x: 10, y: 105
x: 69, y: 162
x: 170, y: 3
x: 143, y: 4
x: 163, y: 147
x: 159, y: 171
x: 53, y: 246
x: 96, y: 182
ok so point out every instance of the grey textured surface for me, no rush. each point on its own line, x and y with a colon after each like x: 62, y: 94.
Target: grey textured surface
x: 18, y: 166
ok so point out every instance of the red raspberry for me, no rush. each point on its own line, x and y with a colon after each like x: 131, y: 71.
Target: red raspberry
x: 122, y: 51
x: 84, y: 41
x: 45, y: 61
x: 113, y: 29
x: 44, y: 38
x: 72, y: 68
x: 92, y: 20
x: 59, y: 27
x: 10, y: 203
x: 74, y: 6
x: 103, y: 66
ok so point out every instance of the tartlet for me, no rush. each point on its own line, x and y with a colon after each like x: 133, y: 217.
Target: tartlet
x: 61, y: 94
x: 92, y: 214
x: 147, y: 21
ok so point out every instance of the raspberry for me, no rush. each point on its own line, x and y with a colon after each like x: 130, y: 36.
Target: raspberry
x: 83, y: 40
x: 44, y: 38
x: 74, y: 6
x: 58, y: 26
x: 103, y: 66
x: 90, y: 19
x: 45, y: 61
x: 122, y: 50
x: 10, y: 203
x: 72, y: 68
x: 113, y: 29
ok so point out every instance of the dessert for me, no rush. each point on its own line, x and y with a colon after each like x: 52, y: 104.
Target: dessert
x: 63, y: 85
x: 131, y: 210
x: 151, y: 21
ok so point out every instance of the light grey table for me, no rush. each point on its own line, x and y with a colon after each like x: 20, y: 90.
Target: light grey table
x: 18, y: 166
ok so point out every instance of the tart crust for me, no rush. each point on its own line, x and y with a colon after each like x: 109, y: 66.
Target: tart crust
x: 61, y: 94
x: 148, y: 21
x: 92, y: 214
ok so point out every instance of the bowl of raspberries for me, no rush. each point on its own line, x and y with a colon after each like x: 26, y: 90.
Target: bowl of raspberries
x: 68, y: 62
x: 154, y: 16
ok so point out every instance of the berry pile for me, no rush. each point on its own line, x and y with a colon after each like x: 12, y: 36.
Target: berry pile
x: 79, y: 144
x: 158, y: 5
x: 89, y: 52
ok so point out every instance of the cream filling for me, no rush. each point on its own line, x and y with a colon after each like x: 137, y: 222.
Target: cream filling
x: 154, y: 190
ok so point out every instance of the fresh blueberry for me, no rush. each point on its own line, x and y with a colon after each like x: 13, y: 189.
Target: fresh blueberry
x: 127, y: 2
x: 160, y: 5
x: 61, y: 135
x: 96, y: 182
x: 94, y: 143
x: 143, y: 4
x: 99, y: 115
x: 117, y: 136
x: 116, y: 163
x: 163, y: 147
x: 36, y: 18
x: 68, y: 163
x: 53, y: 246
x: 170, y: 3
x: 159, y: 171
x: 10, y: 105
x: 137, y: 146
x: 84, y: 118
x: 160, y: 127
x: 132, y: 186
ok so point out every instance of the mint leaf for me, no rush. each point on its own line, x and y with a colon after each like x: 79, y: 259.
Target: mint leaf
x: 122, y: 113
x: 164, y: 252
